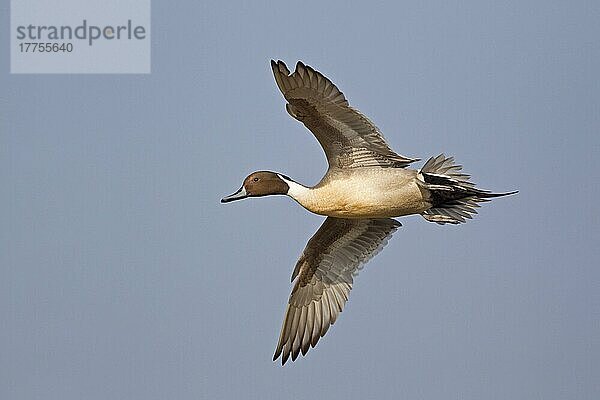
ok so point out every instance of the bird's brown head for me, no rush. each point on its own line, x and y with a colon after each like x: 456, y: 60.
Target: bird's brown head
x: 260, y: 183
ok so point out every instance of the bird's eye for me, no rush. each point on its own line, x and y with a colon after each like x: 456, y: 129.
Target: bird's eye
x: 255, y: 179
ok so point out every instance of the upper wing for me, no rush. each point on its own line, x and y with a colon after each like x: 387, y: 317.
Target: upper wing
x: 324, y: 275
x: 348, y: 138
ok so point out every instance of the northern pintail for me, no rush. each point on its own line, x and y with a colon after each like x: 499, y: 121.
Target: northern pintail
x: 365, y: 185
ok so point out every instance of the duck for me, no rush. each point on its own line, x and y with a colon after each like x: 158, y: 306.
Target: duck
x: 365, y: 187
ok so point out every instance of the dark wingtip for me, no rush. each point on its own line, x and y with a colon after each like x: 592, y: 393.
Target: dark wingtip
x: 277, y: 354
x: 284, y: 358
x: 279, y: 67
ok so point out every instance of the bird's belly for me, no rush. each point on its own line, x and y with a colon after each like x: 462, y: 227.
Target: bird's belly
x: 370, y: 200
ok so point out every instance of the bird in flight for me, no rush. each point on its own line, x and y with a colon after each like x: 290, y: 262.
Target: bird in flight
x: 365, y: 186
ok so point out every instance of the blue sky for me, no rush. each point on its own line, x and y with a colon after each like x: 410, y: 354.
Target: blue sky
x: 124, y: 277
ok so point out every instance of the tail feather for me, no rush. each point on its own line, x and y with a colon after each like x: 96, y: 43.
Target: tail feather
x: 453, y: 198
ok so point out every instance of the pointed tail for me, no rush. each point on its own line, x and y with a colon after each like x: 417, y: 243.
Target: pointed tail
x: 453, y: 198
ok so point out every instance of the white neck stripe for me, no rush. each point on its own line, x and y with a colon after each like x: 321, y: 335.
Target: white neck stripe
x: 296, y: 191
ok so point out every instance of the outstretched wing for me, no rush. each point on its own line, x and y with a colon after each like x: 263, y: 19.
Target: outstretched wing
x: 348, y: 138
x: 324, y: 275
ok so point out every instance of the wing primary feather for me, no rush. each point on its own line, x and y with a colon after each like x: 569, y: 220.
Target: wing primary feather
x: 310, y: 320
x: 316, y: 334
x: 297, y: 338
